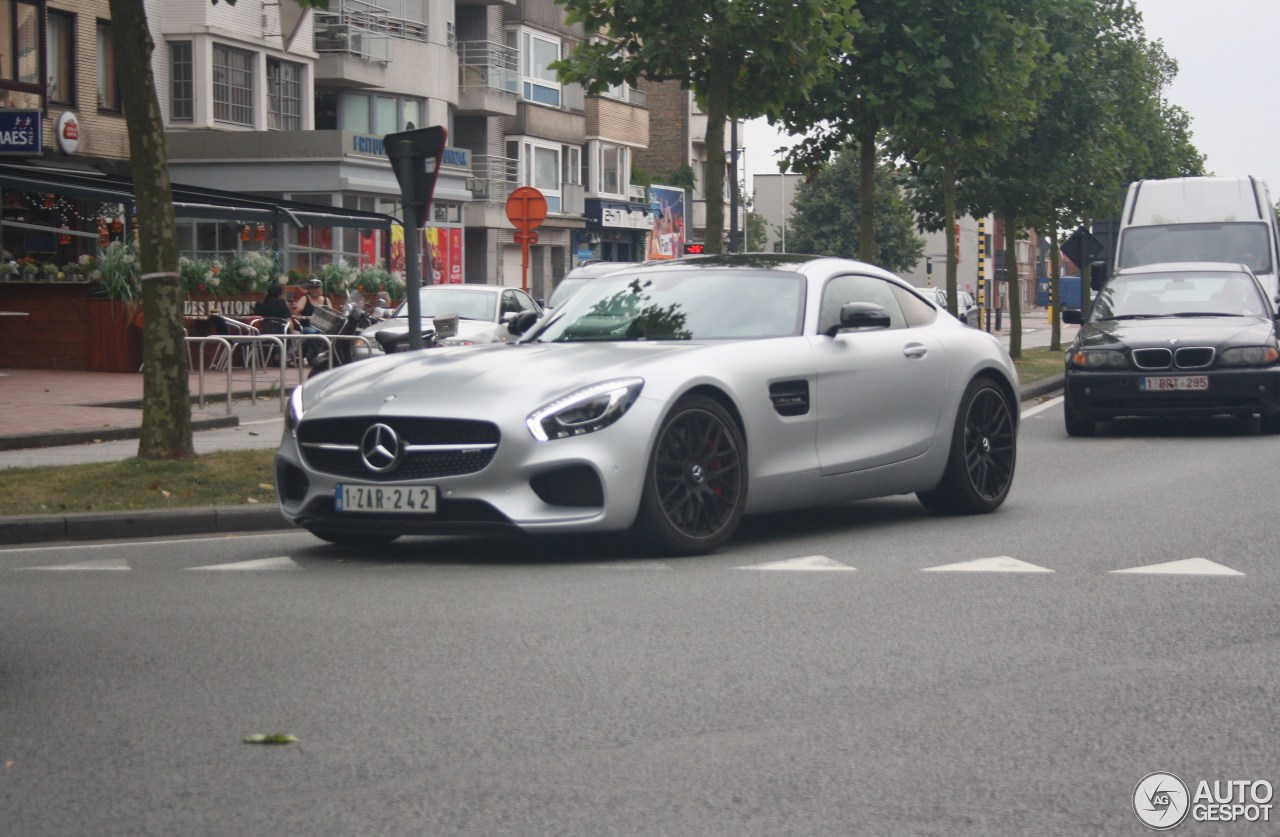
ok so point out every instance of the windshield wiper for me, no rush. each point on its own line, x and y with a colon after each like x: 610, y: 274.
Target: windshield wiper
x: 1207, y: 314
x: 1132, y: 317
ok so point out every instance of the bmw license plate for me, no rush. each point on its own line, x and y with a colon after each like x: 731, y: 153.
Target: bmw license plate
x: 1173, y: 383
x: 403, y: 499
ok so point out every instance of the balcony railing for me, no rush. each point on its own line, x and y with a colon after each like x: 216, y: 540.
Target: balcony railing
x: 485, y: 64
x: 365, y: 28
x: 494, y: 178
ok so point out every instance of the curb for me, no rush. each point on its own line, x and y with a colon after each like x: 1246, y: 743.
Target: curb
x: 86, y: 526
x: 56, y: 438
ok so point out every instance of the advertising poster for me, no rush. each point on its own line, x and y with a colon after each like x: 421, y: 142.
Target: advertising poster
x: 455, y: 256
x: 368, y: 247
x: 397, y: 250
x: 434, y: 256
x: 444, y: 249
x: 666, y: 239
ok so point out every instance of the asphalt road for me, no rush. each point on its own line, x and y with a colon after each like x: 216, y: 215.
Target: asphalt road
x: 824, y: 674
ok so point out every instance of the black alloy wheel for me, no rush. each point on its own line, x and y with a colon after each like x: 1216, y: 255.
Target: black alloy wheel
x: 1076, y: 425
x: 983, y: 454
x: 696, y: 482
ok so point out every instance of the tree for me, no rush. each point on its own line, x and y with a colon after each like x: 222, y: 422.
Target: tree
x: 829, y: 208
x: 166, y: 395
x: 740, y: 59
x: 757, y: 232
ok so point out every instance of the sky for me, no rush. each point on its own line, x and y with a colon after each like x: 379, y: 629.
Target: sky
x: 1228, y: 81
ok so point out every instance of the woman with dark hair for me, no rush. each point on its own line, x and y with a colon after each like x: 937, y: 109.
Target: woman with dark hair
x: 273, y: 305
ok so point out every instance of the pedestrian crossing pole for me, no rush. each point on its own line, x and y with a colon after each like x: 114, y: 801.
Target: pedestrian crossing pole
x: 984, y: 320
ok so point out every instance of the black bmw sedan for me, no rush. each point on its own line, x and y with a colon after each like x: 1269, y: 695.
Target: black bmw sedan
x: 1174, y: 340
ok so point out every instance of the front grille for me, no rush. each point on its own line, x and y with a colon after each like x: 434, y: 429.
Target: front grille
x: 1152, y: 358
x: 342, y: 437
x: 1193, y: 357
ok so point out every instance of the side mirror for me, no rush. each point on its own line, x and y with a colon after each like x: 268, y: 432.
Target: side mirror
x: 860, y: 315
x: 1097, y: 275
x: 1072, y: 316
x: 522, y: 322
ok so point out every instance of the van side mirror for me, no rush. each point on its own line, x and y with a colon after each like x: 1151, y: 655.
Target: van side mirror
x: 1097, y: 275
x: 1072, y: 316
x: 522, y: 322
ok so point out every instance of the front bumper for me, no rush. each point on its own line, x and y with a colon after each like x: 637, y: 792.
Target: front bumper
x: 1101, y: 396
x: 578, y: 484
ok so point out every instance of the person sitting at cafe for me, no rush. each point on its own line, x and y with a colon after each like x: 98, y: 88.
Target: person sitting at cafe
x: 273, y: 305
x: 312, y: 297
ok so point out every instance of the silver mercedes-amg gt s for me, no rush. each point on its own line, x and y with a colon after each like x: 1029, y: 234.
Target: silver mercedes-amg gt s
x: 673, y: 397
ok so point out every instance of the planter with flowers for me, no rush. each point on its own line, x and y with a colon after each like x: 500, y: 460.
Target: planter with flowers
x: 115, y: 338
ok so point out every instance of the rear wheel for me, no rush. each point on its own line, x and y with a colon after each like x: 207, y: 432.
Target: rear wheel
x: 1271, y: 423
x: 983, y: 453
x: 695, y: 486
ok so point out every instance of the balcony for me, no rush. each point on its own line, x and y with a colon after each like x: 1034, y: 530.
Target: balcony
x: 365, y: 29
x: 493, y: 178
x: 488, y: 79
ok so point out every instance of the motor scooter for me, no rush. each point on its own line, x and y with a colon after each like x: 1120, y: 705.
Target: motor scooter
x: 350, y: 321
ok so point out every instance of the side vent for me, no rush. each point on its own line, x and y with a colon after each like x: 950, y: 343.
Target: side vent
x: 790, y: 398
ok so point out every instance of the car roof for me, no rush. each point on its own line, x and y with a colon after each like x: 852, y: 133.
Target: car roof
x: 594, y: 269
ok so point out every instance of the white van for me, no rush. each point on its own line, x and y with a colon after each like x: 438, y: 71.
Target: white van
x: 1200, y: 219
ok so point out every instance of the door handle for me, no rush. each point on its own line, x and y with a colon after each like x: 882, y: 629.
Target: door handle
x: 915, y: 350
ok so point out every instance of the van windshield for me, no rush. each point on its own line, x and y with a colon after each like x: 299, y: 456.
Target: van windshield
x: 1232, y: 243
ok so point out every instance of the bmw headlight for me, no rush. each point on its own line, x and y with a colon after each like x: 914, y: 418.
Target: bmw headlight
x: 293, y: 414
x: 584, y: 411
x: 1099, y: 359
x: 1249, y: 356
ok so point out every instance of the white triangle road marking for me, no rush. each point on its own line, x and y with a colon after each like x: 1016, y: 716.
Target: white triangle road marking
x: 810, y: 563
x: 284, y: 562
x: 102, y: 564
x: 1188, y: 566
x: 998, y: 564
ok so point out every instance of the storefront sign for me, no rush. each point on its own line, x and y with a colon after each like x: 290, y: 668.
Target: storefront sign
x: 619, y: 216
x: 67, y: 132
x: 373, y: 146
x: 201, y: 308
x: 20, y: 132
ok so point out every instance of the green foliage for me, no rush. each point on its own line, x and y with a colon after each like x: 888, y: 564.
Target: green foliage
x: 756, y: 233
x: 117, y: 272
x: 827, y: 210
x: 740, y: 60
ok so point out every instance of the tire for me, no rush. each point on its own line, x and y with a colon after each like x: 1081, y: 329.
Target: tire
x: 352, y: 538
x: 1270, y: 424
x: 983, y: 453
x: 695, y: 485
x: 1076, y: 425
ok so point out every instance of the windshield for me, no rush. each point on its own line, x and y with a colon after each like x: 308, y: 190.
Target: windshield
x: 1236, y: 243
x: 1179, y: 294
x: 682, y: 305
x: 567, y: 287
x: 466, y: 303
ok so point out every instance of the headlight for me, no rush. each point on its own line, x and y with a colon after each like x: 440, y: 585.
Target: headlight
x: 1099, y: 359
x: 584, y: 411
x: 293, y: 414
x: 1249, y: 356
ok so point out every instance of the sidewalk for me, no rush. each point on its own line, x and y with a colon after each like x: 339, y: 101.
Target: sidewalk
x: 58, y: 417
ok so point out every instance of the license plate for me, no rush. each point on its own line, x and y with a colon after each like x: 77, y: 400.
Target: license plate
x: 1173, y: 383
x: 402, y: 499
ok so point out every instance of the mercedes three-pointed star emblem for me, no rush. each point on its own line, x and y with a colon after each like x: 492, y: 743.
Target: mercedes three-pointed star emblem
x: 380, y: 448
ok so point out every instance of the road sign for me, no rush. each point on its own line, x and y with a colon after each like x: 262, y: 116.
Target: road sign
x: 526, y: 208
x: 1081, y: 247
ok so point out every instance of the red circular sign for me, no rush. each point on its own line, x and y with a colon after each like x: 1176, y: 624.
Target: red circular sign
x: 526, y: 208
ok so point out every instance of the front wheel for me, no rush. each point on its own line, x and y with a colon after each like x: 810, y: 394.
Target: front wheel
x: 1076, y: 424
x: 695, y: 485
x: 983, y: 452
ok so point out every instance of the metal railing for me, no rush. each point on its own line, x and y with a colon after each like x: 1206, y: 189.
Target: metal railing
x: 289, y: 346
x: 490, y: 65
x: 494, y: 178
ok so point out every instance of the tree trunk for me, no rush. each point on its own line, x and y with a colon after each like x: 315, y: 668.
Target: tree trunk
x: 718, y: 83
x: 949, y: 211
x: 166, y: 397
x: 1011, y: 284
x: 867, y: 191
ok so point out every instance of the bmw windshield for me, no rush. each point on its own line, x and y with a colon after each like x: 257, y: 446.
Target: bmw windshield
x: 467, y: 304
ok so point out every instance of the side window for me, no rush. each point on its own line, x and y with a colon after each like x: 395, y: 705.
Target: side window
x: 524, y: 302
x: 916, y: 310
x: 509, y: 303
x: 845, y: 289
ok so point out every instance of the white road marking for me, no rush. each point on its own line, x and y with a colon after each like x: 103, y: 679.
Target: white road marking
x: 1188, y: 566
x: 630, y: 565
x: 113, y: 564
x: 1041, y: 407
x: 144, y: 542
x: 810, y: 563
x: 284, y: 562
x: 999, y: 564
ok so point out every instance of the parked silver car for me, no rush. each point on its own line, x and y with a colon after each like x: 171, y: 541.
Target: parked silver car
x: 674, y: 397
x: 482, y: 312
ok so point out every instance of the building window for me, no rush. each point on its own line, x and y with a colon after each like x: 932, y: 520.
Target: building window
x: 537, y: 51
x: 613, y: 161
x: 181, y: 82
x: 284, y: 95
x: 540, y: 168
x: 108, y: 83
x: 62, y: 58
x: 571, y: 155
x: 232, y: 85
x: 22, y: 52
x: 366, y: 114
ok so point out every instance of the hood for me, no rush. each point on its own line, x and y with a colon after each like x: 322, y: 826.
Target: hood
x: 477, y: 331
x: 1188, y: 331
x: 538, y: 371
